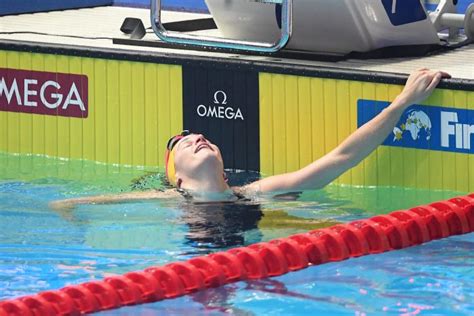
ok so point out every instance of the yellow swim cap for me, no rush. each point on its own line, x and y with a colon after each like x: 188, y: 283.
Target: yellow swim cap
x: 169, y: 157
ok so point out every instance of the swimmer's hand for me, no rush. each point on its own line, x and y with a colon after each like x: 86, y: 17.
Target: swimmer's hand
x: 420, y: 85
x: 61, y: 205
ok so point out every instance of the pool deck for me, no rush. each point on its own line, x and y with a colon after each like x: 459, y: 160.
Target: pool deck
x: 92, y: 30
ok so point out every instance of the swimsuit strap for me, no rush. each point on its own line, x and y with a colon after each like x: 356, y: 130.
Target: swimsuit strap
x: 189, y: 197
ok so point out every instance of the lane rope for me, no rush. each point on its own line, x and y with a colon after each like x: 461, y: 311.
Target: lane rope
x: 397, y: 230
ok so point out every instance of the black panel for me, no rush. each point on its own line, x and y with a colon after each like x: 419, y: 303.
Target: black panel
x: 223, y: 105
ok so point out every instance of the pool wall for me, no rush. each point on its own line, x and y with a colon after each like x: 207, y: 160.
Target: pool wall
x: 267, y: 118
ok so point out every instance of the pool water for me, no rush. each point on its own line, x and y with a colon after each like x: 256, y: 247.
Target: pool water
x: 42, y: 249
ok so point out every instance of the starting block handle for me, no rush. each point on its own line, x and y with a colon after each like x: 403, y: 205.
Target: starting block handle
x: 227, y: 43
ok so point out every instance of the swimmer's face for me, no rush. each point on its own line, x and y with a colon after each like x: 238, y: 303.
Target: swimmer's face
x: 195, y: 154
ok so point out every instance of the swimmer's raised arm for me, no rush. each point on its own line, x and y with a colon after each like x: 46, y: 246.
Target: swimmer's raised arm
x: 113, y: 198
x: 359, y: 144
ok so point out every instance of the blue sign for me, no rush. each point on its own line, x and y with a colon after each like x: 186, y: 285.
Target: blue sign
x: 425, y: 127
x: 404, y: 11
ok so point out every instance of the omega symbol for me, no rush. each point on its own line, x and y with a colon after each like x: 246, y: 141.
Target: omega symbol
x: 216, y: 97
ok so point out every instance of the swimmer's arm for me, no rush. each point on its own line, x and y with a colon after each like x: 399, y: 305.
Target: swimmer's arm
x: 358, y: 145
x: 113, y: 198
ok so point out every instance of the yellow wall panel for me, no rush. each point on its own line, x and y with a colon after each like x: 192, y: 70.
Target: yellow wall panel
x: 135, y: 107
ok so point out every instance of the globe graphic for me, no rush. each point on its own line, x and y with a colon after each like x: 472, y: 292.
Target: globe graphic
x: 417, y: 124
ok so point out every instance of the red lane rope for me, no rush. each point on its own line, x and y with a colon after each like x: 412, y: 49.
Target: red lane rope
x: 399, y: 229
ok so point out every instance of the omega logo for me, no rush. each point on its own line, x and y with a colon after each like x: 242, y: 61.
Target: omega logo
x: 220, y: 109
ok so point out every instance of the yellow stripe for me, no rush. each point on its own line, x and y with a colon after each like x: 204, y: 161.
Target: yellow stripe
x: 138, y: 114
x: 164, y: 116
x: 318, y: 136
x: 291, y: 122
x: 112, y: 118
x: 151, y: 116
x: 304, y: 121
x: 330, y: 114
x: 88, y: 130
x: 125, y: 120
x: 99, y: 103
x: 279, y: 125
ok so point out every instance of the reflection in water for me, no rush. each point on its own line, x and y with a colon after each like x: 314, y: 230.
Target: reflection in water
x: 221, y: 225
